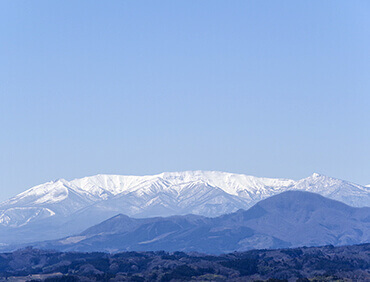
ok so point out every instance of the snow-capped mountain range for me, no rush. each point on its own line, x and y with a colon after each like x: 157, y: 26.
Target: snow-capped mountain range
x: 65, y: 207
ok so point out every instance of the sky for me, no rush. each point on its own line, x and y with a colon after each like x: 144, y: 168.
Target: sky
x: 264, y: 88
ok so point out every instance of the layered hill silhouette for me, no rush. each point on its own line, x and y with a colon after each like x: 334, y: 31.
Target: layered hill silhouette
x: 290, y: 219
x: 61, y: 208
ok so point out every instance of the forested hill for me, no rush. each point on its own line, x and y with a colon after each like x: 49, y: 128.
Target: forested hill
x: 322, y: 263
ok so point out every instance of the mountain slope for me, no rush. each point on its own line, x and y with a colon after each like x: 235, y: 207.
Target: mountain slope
x: 328, y: 263
x: 289, y: 219
x: 65, y: 207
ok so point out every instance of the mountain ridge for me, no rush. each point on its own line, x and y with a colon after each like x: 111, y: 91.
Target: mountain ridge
x: 289, y: 219
x: 65, y: 207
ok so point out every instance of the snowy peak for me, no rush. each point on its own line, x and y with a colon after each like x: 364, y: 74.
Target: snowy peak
x: 103, y: 187
x: 45, y: 193
x: 209, y: 193
x: 341, y: 190
x: 231, y: 183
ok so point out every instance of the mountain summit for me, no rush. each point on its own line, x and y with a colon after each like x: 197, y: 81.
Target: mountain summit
x: 62, y: 207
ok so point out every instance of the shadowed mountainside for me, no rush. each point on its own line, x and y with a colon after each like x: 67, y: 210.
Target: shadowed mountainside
x: 290, y: 219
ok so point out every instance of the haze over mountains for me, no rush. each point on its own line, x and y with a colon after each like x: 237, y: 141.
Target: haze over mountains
x: 61, y: 208
x: 290, y: 219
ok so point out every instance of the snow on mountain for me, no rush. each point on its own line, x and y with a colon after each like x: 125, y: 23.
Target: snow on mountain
x: 16, y: 217
x: 61, y: 197
x: 70, y: 206
x: 340, y: 190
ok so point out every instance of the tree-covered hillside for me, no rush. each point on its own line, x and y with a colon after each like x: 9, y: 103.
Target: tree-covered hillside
x: 301, y: 264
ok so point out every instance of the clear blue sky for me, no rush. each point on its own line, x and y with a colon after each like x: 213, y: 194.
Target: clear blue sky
x: 266, y: 88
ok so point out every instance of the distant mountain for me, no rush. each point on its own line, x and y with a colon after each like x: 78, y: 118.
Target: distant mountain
x: 60, y: 208
x: 290, y: 219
